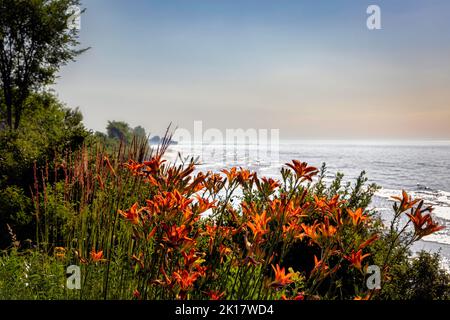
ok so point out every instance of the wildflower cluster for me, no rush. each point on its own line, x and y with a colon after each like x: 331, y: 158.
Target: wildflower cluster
x: 211, y: 235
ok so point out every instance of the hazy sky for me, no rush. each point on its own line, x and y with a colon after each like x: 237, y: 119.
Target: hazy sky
x: 309, y: 68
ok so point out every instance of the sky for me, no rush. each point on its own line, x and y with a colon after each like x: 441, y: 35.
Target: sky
x: 311, y: 69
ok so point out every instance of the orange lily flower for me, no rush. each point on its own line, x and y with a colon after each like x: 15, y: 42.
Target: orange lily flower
x: 356, y: 258
x: 326, y: 229
x: 259, y: 224
x: 357, y: 216
x: 325, y: 205
x: 97, y: 256
x: 302, y: 170
x: 231, y: 174
x: 153, y: 165
x: 177, y: 236
x: 269, y: 184
x: 423, y: 224
x: 310, y: 231
x: 293, y: 228
x: 132, y: 215
x: 216, y: 295
x: 366, y: 297
x: 320, y: 265
x: 214, y: 183
x: 406, y: 201
x: 133, y: 166
x: 185, y: 279
x: 281, y: 278
x: 189, y: 258
x: 204, y: 204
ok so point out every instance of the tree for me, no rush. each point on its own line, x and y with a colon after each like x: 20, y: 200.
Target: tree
x: 119, y: 130
x: 36, y: 39
x: 139, y: 131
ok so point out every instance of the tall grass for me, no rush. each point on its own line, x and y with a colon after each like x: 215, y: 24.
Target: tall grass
x: 76, y: 210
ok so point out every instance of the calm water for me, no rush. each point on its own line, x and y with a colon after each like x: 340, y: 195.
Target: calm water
x: 421, y: 168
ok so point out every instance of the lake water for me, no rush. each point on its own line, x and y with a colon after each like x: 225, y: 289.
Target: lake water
x: 420, y: 168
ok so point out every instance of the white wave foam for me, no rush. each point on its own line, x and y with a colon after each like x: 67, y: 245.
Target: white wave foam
x: 442, y: 212
x: 440, y: 200
x: 437, y: 237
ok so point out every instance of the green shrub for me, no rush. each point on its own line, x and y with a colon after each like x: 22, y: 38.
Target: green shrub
x: 47, y: 129
x: 418, y: 278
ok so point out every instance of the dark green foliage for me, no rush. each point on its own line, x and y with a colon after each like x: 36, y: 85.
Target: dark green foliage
x: 35, y: 41
x: 139, y: 132
x: 419, y: 278
x: 117, y: 133
x: 48, y: 129
x: 118, y: 130
x: 121, y: 131
x: 31, y: 275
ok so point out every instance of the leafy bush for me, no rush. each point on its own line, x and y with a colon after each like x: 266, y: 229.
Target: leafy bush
x: 418, y: 278
x: 47, y: 129
x: 31, y: 275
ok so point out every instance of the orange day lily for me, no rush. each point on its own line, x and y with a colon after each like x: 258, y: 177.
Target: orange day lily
x: 366, y: 297
x: 310, y: 231
x: 216, y: 295
x: 320, y: 265
x: 269, y: 183
x: 357, y: 216
x: 131, y: 215
x: 177, y: 236
x: 185, y: 279
x: 231, y: 174
x: 244, y: 175
x: 406, y: 201
x: 204, y: 205
x: 281, y: 278
x: 302, y: 170
x: 326, y: 229
x: 356, y: 258
x: 97, y: 256
x: 423, y: 224
x: 259, y: 224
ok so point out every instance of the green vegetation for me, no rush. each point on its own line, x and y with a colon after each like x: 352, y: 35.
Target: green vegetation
x: 136, y: 224
x: 36, y: 40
